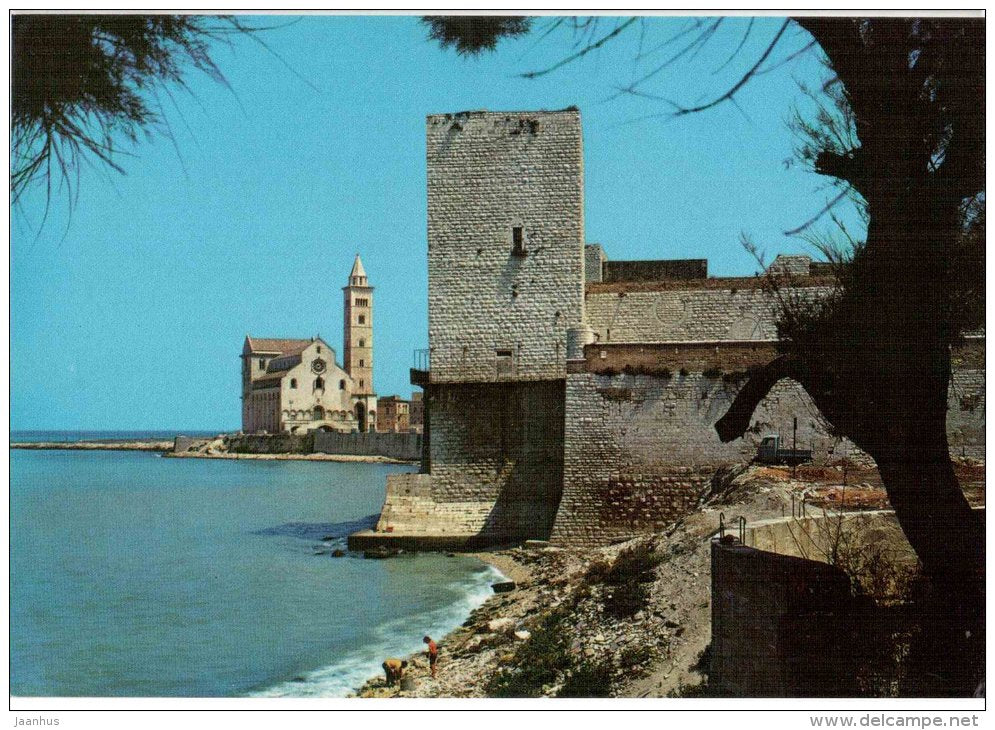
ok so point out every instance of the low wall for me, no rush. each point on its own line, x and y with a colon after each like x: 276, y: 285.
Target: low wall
x: 784, y: 620
x: 272, y: 443
x: 777, y: 623
x: 405, y: 446
x: 401, y: 446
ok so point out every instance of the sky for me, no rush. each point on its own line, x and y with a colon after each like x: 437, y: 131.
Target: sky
x: 130, y: 311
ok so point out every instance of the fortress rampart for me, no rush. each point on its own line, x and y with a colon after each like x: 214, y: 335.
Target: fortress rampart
x: 573, y: 398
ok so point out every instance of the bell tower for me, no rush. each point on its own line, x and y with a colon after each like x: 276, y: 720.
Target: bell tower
x: 358, y: 329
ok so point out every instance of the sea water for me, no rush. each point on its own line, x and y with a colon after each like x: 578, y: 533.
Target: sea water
x: 138, y: 575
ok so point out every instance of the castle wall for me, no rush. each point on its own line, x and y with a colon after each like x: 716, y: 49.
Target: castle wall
x: 641, y: 445
x: 500, y: 445
x: 493, y: 313
x: 668, y: 311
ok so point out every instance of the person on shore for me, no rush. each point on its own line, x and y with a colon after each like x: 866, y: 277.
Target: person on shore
x: 393, y: 670
x: 433, y: 653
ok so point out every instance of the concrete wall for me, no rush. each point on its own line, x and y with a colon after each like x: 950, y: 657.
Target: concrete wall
x: 277, y: 443
x: 784, y: 623
x: 489, y: 172
x: 778, y: 625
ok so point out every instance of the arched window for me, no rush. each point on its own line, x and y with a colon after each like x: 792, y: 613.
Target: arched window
x: 362, y: 363
x: 360, y: 383
x: 341, y: 385
x: 262, y: 363
x: 362, y: 343
x: 319, y: 384
x: 319, y: 413
x: 293, y: 382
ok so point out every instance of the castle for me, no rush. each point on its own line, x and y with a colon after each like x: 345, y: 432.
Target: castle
x: 573, y: 398
x: 296, y: 386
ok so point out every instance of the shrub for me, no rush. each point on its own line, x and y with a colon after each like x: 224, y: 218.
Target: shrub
x: 684, y: 372
x: 636, y: 656
x: 537, y: 663
x: 589, y: 679
x: 625, y: 581
x: 712, y: 373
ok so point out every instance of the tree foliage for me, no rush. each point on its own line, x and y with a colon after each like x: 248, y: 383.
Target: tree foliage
x: 471, y: 35
x: 82, y: 84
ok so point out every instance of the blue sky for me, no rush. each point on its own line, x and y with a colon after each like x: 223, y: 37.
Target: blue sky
x: 130, y: 314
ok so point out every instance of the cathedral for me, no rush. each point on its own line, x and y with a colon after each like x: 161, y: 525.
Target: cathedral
x: 296, y: 386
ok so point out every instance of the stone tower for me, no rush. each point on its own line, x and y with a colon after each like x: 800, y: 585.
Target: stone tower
x: 358, y: 329
x: 505, y: 243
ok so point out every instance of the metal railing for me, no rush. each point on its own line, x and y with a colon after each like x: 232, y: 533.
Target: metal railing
x: 422, y: 359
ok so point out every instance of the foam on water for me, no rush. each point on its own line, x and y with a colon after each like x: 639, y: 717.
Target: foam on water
x: 394, y: 638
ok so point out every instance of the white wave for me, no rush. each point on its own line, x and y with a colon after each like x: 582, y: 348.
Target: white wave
x: 393, y: 638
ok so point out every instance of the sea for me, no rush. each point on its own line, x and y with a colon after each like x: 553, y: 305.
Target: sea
x: 135, y: 575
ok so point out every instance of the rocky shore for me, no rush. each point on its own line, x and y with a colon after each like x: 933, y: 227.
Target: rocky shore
x: 630, y: 620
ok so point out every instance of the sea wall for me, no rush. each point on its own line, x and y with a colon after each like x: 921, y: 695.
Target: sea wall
x: 403, y: 446
x: 496, y: 470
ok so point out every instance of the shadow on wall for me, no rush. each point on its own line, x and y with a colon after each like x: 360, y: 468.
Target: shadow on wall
x: 531, y: 475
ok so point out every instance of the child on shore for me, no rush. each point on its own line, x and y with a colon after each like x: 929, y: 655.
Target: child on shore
x: 433, y: 654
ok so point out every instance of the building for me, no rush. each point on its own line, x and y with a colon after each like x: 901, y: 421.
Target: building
x: 393, y: 415
x: 296, y: 385
x: 573, y: 398
x: 417, y: 412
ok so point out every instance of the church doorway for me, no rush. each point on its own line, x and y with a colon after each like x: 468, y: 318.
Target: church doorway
x: 361, y: 416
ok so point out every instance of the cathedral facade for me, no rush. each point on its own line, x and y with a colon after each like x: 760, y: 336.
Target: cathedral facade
x: 296, y: 385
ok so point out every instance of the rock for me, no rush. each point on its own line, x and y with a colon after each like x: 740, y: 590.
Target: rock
x: 379, y: 553
x: 504, y: 586
x: 535, y: 544
x: 338, y: 553
x: 501, y: 624
x: 298, y: 679
x: 408, y: 684
x: 523, y: 635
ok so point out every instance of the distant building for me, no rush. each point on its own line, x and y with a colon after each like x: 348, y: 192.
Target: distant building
x: 417, y: 412
x: 393, y: 415
x: 296, y: 386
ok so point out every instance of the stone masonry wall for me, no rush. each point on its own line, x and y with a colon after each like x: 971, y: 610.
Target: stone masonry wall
x: 488, y: 173
x: 594, y: 261
x: 500, y: 444
x: 682, y: 315
x: 640, y: 447
x: 655, y: 270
